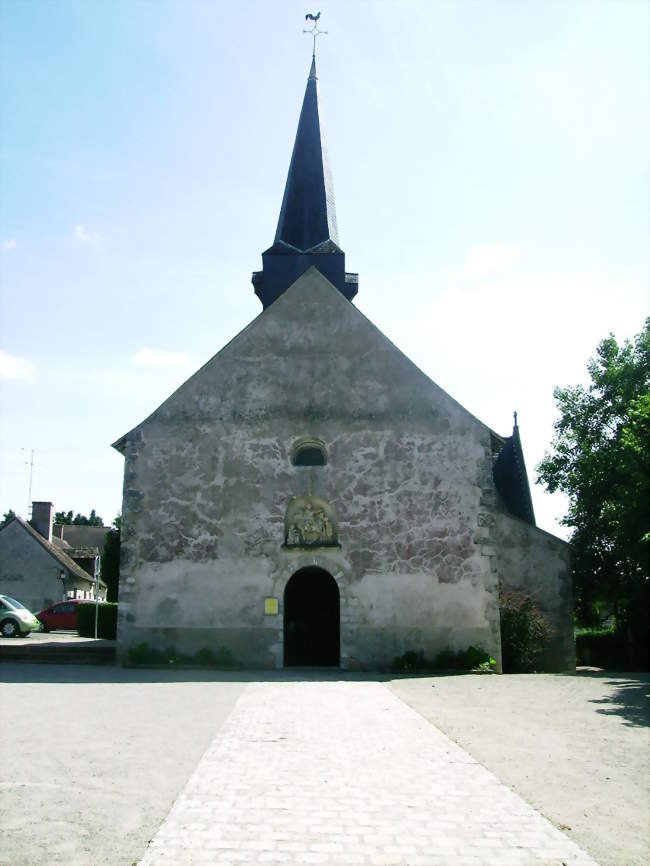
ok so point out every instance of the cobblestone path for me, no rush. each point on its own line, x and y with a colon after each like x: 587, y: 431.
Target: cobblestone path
x: 344, y: 772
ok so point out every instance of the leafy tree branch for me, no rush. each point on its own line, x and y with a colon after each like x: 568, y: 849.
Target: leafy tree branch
x: 600, y: 458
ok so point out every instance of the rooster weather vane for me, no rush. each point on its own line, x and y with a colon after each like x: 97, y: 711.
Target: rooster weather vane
x: 315, y: 30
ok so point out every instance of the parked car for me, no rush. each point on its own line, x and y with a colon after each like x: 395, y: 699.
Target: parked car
x: 15, y: 619
x: 60, y: 615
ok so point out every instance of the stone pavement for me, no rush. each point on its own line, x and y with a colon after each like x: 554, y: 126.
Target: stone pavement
x: 344, y: 772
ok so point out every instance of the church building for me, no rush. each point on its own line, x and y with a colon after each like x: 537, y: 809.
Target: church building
x: 310, y: 497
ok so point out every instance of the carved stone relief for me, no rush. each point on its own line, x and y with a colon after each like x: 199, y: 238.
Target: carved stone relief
x: 486, y: 519
x: 310, y: 522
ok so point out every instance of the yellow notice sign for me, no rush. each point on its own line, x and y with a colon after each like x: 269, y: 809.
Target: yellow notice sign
x: 271, y: 606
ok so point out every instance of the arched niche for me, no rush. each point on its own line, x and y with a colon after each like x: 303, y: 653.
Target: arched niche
x: 309, y: 451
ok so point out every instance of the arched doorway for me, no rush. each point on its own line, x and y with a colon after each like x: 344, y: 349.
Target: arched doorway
x: 311, y: 619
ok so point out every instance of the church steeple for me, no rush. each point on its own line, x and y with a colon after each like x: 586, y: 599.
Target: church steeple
x: 307, y: 233
x: 308, y: 215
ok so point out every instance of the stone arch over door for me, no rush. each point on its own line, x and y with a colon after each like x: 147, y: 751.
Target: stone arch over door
x: 312, y: 631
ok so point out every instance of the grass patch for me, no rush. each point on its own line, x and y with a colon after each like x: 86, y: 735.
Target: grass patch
x: 471, y: 659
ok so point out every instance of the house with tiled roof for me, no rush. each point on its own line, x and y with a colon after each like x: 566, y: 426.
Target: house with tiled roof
x: 82, y: 543
x: 37, y: 571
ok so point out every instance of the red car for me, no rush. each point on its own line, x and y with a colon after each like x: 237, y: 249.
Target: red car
x: 61, y: 615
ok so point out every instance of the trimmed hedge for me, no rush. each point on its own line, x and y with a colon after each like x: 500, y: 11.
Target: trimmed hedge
x: 602, y: 648
x: 106, y: 620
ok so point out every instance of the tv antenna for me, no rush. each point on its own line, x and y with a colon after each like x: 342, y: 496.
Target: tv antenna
x: 29, y: 463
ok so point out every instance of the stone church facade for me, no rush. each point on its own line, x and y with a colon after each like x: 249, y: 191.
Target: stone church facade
x: 310, y: 497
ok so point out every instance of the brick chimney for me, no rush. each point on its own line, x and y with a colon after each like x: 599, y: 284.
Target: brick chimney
x: 42, y: 514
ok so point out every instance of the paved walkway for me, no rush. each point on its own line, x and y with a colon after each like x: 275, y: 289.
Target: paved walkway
x: 344, y: 772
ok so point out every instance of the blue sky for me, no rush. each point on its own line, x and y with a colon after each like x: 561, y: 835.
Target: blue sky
x: 490, y: 164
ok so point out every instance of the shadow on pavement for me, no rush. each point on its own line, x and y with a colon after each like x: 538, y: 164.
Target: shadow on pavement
x: 628, y: 697
x: 630, y: 700
x: 25, y: 672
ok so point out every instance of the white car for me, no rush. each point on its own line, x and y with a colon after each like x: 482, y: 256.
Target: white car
x: 15, y: 619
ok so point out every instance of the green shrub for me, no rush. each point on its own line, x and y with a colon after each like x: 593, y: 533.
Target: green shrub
x: 478, y: 659
x: 525, y: 633
x: 106, y: 620
x: 473, y: 658
x: 210, y: 659
x: 625, y: 645
x: 639, y: 625
x: 410, y: 661
x: 143, y: 654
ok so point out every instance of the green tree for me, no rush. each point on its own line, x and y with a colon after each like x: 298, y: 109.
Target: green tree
x: 69, y: 518
x: 92, y: 520
x: 111, y: 560
x: 8, y: 515
x: 600, y: 458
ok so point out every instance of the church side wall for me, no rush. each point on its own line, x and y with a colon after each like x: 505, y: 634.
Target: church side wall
x: 534, y: 563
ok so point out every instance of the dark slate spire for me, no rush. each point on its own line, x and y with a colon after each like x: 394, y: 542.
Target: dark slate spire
x: 307, y: 233
x: 511, y: 479
x: 308, y: 215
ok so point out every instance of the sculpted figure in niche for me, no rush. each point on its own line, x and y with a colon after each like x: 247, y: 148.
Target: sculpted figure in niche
x: 310, y: 522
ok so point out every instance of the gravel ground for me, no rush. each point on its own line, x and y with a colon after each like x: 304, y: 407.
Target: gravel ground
x: 575, y: 747
x: 93, y: 757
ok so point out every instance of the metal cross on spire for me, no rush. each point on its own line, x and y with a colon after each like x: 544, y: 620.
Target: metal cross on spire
x: 315, y: 30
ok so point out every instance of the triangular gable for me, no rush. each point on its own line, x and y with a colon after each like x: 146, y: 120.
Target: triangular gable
x: 310, y: 331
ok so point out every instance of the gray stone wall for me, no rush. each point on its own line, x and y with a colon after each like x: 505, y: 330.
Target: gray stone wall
x: 27, y: 571
x: 203, y: 557
x: 208, y: 478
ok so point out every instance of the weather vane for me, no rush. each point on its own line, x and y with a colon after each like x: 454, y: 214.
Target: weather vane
x: 315, y: 31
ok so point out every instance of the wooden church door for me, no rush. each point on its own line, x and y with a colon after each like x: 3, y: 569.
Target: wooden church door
x: 311, y: 619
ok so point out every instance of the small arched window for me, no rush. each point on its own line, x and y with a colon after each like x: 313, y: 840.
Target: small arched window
x: 309, y: 452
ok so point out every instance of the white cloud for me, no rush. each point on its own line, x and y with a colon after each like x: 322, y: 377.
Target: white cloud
x: 502, y: 344
x: 160, y: 359
x: 10, y: 244
x: 13, y: 367
x: 488, y: 259
x: 82, y: 234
